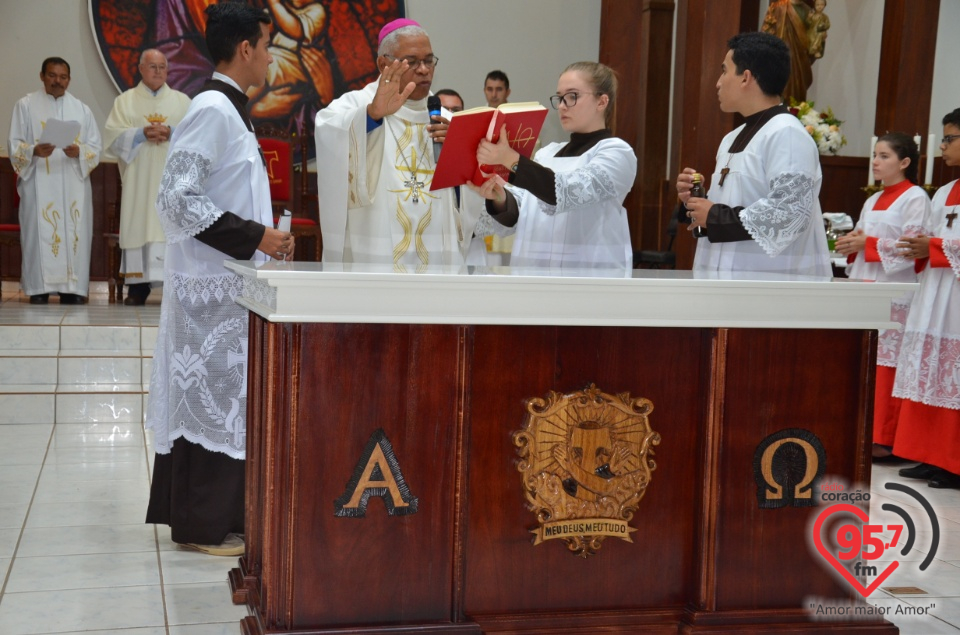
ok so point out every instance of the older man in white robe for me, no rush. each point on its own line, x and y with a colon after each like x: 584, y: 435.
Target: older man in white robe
x: 376, y: 162
x: 137, y: 135
x: 56, y: 201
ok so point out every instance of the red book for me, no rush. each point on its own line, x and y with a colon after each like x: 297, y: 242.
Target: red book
x: 458, y: 158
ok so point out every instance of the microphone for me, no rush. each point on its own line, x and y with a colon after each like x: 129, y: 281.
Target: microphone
x: 433, y: 105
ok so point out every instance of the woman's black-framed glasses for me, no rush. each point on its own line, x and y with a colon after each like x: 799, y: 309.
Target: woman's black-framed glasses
x: 568, y: 99
x: 412, y: 62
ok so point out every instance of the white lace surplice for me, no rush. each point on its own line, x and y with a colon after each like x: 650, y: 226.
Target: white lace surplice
x: 198, y: 388
x: 908, y: 215
x: 776, y: 179
x: 588, y: 225
x: 928, y: 369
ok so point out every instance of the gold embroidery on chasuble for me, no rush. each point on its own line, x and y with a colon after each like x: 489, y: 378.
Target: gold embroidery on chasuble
x: 52, y: 216
x: 411, y: 172
x: 75, y: 215
x: 21, y: 159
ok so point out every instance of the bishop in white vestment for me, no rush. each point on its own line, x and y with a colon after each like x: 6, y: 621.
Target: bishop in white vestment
x: 374, y: 174
x: 56, y: 201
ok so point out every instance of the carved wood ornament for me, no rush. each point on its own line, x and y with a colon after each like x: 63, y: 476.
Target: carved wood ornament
x: 586, y: 463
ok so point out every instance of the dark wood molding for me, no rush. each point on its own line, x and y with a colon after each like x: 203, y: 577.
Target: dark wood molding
x: 636, y: 40
x: 905, y: 76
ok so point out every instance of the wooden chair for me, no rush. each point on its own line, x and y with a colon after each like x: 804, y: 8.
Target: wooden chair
x: 277, y: 148
x: 10, y: 232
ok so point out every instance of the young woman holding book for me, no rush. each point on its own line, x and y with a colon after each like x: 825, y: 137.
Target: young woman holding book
x: 901, y: 209
x: 566, y: 204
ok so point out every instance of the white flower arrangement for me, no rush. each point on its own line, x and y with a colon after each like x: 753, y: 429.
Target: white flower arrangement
x: 824, y: 127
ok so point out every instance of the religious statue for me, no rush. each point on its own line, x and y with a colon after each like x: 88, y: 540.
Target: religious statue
x: 804, y: 29
x: 818, y: 23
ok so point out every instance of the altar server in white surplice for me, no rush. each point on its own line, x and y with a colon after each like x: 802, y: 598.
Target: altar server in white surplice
x: 137, y: 134
x: 214, y: 205
x: 56, y: 201
x: 375, y: 163
x: 762, y: 211
x: 901, y: 210
x: 566, y: 204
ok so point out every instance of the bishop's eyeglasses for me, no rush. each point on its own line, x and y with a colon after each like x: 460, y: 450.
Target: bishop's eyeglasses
x: 567, y: 99
x: 413, y: 62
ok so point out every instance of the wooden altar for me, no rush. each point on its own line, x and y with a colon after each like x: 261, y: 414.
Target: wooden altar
x: 441, y: 366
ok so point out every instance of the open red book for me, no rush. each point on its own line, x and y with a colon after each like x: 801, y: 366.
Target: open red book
x: 458, y: 158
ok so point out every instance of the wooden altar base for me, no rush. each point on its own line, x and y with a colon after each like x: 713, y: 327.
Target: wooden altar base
x: 705, y: 557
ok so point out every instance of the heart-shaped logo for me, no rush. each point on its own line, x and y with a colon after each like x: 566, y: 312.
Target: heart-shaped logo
x: 832, y: 559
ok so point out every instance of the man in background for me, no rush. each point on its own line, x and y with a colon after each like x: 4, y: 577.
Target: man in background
x: 496, y: 88
x: 56, y: 200
x: 450, y: 99
x: 137, y: 134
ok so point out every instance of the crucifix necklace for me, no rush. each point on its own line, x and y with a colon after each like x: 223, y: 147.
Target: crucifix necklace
x: 413, y: 183
x: 951, y: 217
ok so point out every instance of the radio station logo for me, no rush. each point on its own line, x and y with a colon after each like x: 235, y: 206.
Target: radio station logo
x: 854, y: 547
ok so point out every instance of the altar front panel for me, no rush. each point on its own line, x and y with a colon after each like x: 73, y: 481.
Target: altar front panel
x: 355, y: 379
x: 505, y: 572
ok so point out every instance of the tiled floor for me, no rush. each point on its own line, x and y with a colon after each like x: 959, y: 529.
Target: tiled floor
x: 75, y: 556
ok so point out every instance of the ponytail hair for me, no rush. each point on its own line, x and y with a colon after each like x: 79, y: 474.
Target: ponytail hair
x: 906, y: 148
x: 604, y: 81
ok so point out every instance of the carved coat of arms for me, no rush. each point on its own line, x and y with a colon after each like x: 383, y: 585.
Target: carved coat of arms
x: 586, y: 463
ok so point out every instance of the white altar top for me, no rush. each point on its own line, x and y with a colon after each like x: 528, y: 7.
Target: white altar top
x: 314, y: 292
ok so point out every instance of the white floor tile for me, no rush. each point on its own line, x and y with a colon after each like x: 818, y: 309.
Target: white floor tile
x: 133, y: 471
x: 81, y: 609
x: 85, y: 513
x: 20, y: 408
x: 158, y: 630
x: 105, y: 539
x: 224, y: 628
x: 98, y: 434
x: 28, y: 337
x: 184, y: 566
x: 87, y: 571
x: 8, y: 542
x: 22, y: 454
x: 87, y: 370
x: 105, y: 408
x: 201, y: 603
x: 22, y: 474
x: 117, y: 338
x: 123, y: 454
x: 133, y: 491
x: 28, y: 370
x: 12, y: 515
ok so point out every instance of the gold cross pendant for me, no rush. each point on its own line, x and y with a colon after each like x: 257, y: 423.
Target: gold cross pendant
x: 723, y: 175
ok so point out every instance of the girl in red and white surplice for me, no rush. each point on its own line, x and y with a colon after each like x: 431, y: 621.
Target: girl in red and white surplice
x: 901, y: 209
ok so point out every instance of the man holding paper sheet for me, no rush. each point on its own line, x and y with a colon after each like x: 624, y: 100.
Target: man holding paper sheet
x: 376, y: 164
x: 56, y: 201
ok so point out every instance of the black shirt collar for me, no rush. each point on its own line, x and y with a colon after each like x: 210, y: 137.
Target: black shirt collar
x: 580, y: 142
x: 753, y: 124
